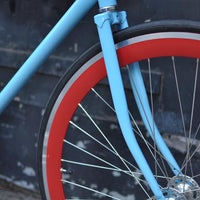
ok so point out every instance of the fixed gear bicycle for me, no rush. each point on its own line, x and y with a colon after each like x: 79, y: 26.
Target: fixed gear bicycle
x: 65, y: 133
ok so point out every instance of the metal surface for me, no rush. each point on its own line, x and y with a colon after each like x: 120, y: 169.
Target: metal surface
x: 186, y: 186
x: 107, y: 9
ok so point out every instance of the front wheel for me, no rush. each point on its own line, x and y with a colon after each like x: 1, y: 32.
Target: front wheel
x: 82, y: 154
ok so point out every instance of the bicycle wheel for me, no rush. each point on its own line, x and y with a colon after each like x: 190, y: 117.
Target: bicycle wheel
x: 81, y: 151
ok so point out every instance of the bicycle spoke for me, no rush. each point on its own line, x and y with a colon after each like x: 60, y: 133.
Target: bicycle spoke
x: 138, y: 132
x: 139, y: 98
x: 192, y: 112
x: 196, y: 176
x: 96, y: 166
x: 189, y: 141
x: 104, y: 168
x: 103, y: 145
x: 152, y: 112
x: 108, y: 163
x: 198, y: 147
x: 196, y: 132
x: 94, y: 156
x: 111, y: 146
x: 103, y: 99
x: 190, y: 191
x: 90, y: 189
x: 179, y: 99
x: 149, y: 146
x: 132, y: 80
x: 179, y: 96
x: 105, y: 137
x: 192, y: 143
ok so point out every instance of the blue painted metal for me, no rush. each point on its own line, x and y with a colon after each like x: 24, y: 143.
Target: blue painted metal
x: 140, y: 95
x: 46, y: 47
x: 104, y: 23
x: 107, y: 3
x: 113, y: 18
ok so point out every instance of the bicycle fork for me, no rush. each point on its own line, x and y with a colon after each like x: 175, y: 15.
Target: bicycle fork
x: 104, y: 21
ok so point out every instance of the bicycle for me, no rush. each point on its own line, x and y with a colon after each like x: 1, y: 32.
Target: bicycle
x: 66, y: 113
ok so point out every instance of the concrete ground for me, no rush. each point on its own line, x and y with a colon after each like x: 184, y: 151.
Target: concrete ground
x: 11, y: 192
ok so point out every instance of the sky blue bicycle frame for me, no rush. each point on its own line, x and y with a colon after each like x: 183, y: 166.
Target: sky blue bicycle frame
x: 103, y: 21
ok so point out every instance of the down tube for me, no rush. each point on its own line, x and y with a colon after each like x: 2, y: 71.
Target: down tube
x: 121, y: 108
x: 70, y: 19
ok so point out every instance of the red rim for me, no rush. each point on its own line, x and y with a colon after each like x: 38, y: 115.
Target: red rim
x: 129, y: 54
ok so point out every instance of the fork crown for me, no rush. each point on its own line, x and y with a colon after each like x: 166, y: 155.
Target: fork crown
x: 114, y: 18
x: 108, y: 12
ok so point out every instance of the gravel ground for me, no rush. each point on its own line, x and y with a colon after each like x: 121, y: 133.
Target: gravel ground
x: 11, y: 192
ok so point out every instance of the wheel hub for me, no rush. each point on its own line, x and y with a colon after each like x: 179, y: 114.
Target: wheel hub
x: 185, y: 185
x: 181, y: 188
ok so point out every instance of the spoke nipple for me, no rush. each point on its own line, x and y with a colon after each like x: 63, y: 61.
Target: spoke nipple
x: 63, y: 170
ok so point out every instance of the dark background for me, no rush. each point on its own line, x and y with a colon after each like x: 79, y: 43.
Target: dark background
x: 23, y: 24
